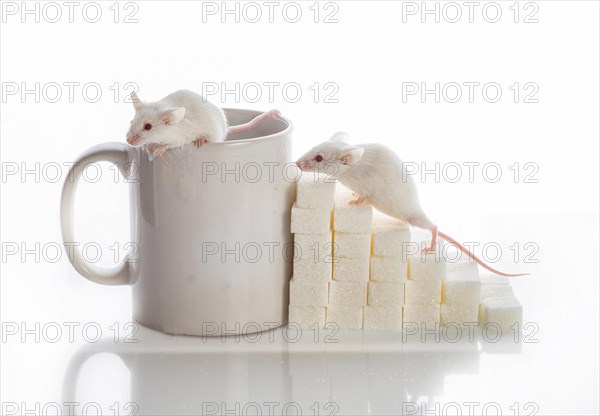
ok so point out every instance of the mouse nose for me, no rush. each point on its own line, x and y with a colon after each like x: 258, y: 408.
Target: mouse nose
x: 133, y: 139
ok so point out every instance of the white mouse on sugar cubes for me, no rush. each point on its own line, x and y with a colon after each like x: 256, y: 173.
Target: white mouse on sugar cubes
x: 377, y: 175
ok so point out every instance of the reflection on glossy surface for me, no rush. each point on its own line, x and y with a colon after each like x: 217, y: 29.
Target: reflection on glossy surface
x: 361, y: 373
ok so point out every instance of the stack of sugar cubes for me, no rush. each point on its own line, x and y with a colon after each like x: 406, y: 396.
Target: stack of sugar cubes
x: 348, y: 290
x: 389, y: 272
x: 357, y: 271
x: 311, y: 226
x: 488, y: 299
x: 498, y: 304
x: 460, y: 294
x: 423, y: 289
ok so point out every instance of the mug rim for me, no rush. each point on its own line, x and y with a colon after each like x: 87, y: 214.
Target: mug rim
x: 289, y: 127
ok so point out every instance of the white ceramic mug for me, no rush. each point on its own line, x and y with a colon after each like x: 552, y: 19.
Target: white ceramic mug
x: 212, y: 227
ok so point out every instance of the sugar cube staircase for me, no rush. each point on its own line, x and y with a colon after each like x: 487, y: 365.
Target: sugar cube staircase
x: 352, y: 269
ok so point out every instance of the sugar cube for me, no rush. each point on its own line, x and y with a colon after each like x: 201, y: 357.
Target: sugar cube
x: 388, y: 269
x: 307, y: 316
x: 503, y: 311
x: 424, y: 266
x: 492, y: 279
x: 348, y: 293
x: 315, y: 191
x: 390, y: 237
x: 313, y: 246
x: 422, y: 293
x: 385, y: 293
x: 461, y: 289
x: 351, y: 246
x: 355, y: 219
x: 309, y: 269
x: 383, y: 317
x: 463, y: 264
x: 345, y: 317
x: 351, y: 270
x: 496, y: 291
x: 310, y: 221
x: 424, y: 316
x: 304, y: 293
x: 459, y: 314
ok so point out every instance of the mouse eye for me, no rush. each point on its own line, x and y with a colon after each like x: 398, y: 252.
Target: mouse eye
x: 319, y: 158
x: 147, y: 126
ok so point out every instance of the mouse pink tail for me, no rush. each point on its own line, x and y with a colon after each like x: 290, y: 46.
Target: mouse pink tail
x: 240, y: 128
x: 462, y: 248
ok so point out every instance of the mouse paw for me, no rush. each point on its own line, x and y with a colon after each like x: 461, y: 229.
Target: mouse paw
x: 200, y: 141
x: 429, y: 249
x: 159, y: 151
x: 357, y: 201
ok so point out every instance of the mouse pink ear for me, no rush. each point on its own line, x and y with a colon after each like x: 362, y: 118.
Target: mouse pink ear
x: 137, y: 103
x: 173, y: 115
x: 352, y: 155
x: 340, y: 136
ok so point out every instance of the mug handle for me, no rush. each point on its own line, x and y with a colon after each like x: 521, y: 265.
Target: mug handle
x: 118, y: 154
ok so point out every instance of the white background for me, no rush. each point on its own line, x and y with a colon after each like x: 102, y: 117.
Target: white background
x: 365, y: 59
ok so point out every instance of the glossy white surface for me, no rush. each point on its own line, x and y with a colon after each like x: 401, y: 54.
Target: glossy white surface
x: 555, y: 368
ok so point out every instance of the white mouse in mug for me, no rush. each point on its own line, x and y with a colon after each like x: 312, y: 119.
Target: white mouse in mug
x: 182, y: 118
